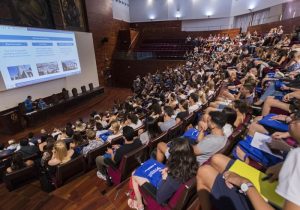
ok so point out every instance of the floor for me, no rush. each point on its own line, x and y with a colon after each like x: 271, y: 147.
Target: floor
x: 85, y: 192
x: 100, y: 103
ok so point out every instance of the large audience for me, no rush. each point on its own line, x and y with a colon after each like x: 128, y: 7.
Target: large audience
x: 257, y: 76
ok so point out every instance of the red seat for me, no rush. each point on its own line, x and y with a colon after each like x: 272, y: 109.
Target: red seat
x: 128, y: 163
x: 179, y: 200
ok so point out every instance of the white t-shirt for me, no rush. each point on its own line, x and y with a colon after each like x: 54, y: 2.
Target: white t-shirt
x: 289, y: 178
x: 227, y: 130
x: 193, y: 108
x: 137, y: 125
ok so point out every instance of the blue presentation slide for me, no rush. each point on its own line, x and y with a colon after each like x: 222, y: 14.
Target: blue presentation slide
x: 30, y: 55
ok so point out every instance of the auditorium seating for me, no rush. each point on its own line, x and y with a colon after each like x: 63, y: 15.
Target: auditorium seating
x: 83, y: 89
x: 129, y: 162
x: 20, y: 177
x: 91, y: 155
x: 153, y: 142
x: 91, y: 86
x: 74, y: 92
x: 70, y: 170
x: 175, y: 131
x: 179, y: 200
x: 165, y: 48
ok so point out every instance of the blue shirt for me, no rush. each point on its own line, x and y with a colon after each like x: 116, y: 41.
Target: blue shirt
x: 42, y: 104
x: 28, y: 105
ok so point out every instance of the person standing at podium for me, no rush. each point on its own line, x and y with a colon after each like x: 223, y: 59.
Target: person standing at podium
x: 28, y: 104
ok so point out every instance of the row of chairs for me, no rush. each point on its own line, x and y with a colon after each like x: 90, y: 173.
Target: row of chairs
x: 83, y: 89
x: 80, y: 165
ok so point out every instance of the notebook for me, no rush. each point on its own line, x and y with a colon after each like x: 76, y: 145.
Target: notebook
x: 265, y: 188
x: 260, y: 141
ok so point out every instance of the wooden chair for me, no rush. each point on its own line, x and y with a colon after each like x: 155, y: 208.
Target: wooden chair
x: 154, y: 142
x: 68, y: 171
x: 175, y: 131
x: 83, y: 89
x: 91, y: 155
x: 179, y: 200
x: 128, y: 163
x: 20, y: 177
x: 74, y: 92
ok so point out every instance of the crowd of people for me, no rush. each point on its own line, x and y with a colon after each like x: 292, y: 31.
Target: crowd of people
x: 258, y: 74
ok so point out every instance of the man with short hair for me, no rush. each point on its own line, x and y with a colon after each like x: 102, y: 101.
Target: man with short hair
x: 212, y: 143
x: 116, y: 153
x: 207, y: 145
x: 193, y: 100
x: 28, y: 104
x: 169, y: 122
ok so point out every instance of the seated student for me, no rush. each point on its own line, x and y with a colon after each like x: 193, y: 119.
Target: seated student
x: 18, y: 163
x: 182, y: 111
x: 193, y: 99
x: 42, y: 104
x: 113, y: 132
x: 33, y: 139
x: 244, y: 151
x: 214, y: 182
x: 12, y: 145
x: 4, y: 152
x: 231, y: 116
x: 207, y: 145
x: 133, y: 121
x: 172, y: 101
x: 42, y: 142
x: 241, y: 109
x: 93, y: 142
x: 212, y: 143
x: 169, y: 122
x: 116, y: 153
x: 27, y: 149
x: 181, y: 167
x: 28, y: 104
x: 60, y: 154
x: 285, y: 105
x: 80, y: 126
x: 77, y: 144
x: 47, y: 151
x: 152, y: 131
x: 156, y: 110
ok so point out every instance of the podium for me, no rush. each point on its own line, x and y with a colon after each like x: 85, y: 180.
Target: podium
x: 10, y: 122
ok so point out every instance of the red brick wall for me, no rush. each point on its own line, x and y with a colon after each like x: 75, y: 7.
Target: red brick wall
x: 102, y: 24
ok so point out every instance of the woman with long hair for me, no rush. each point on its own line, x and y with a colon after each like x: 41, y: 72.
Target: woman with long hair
x: 60, y: 154
x: 181, y: 167
x: 152, y: 131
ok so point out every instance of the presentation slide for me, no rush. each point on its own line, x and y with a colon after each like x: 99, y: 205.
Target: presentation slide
x: 31, y: 55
